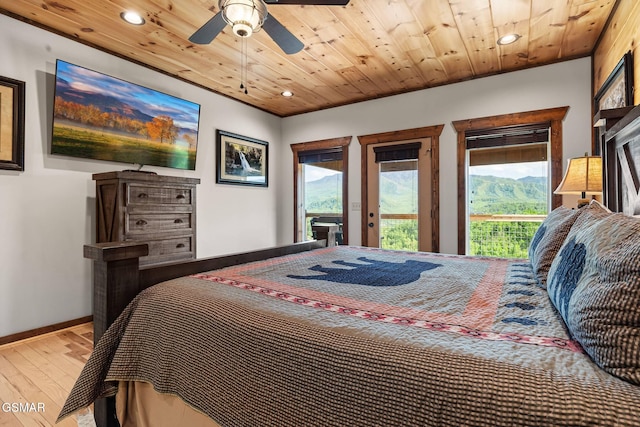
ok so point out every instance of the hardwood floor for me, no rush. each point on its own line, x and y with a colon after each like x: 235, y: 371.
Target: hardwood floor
x: 39, y: 373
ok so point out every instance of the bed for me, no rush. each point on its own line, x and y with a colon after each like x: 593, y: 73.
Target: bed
x: 306, y: 335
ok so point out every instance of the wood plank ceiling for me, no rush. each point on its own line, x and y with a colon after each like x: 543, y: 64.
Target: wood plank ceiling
x: 368, y: 49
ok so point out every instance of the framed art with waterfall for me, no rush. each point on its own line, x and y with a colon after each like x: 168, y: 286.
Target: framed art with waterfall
x: 241, y: 160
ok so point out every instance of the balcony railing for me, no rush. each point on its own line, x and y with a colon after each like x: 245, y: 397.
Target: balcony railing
x: 399, y: 231
x: 506, y: 236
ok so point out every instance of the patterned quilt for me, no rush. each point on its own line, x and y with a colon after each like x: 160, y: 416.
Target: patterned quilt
x: 359, y: 336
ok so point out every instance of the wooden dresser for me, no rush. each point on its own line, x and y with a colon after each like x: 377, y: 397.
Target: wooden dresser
x: 144, y: 207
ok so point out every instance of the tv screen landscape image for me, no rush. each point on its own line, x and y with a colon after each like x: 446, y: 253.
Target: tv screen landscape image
x: 96, y: 116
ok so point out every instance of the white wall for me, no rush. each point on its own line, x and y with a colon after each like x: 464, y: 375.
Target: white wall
x: 47, y: 211
x: 558, y: 85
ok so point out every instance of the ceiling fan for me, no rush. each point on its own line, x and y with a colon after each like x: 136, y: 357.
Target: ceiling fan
x: 248, y: 16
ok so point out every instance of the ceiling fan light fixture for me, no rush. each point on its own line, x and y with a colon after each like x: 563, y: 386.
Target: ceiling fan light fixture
x: 242, y: 29
x: 244, y: 16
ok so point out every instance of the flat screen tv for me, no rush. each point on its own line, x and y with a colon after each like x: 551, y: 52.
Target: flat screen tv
x: 97, y: 116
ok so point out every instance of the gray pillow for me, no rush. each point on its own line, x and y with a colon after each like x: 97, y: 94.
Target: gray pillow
x: 548, y: 239
x: 594, y: 282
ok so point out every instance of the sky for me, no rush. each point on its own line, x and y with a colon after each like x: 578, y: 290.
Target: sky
x: 511, y: 170
x: 184, y: 113
x: 313, y: 173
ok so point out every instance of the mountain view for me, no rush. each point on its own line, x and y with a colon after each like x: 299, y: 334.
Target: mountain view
x: 324, y: 195
x: 489, y: 194
x: 494, y: 195
x: 103, y: 101
x: 398, y: 192
x: 107, y: 103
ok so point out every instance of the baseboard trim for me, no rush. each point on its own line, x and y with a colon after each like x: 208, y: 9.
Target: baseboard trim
x: 44, y: 330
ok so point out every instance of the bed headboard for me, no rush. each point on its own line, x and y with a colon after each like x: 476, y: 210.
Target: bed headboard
x: 621, y: 165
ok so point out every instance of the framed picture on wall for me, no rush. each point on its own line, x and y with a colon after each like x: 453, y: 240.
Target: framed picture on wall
x: 616, y: 92
x: 11, y: 124
x: 241, y: 160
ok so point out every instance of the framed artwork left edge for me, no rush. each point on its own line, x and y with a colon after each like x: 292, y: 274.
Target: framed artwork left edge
x: 12, y: 122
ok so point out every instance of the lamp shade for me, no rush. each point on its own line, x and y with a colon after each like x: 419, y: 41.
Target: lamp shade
x: 583, y: 176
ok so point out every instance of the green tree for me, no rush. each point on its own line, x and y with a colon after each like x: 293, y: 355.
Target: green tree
x: 402, y: 236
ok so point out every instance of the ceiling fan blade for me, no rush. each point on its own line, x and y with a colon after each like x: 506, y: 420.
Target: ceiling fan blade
x: 283, y: 37
x: 310, y: 2
x: 209, y: 31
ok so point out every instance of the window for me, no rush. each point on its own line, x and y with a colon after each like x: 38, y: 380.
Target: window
x: 320, y: 186
x: 507, y: 145
x: 507, y: 196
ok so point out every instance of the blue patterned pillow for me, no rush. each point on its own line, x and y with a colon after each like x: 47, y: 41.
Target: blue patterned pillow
x: 594, y: 282
x: 548, y: 239
x: 567, y: 273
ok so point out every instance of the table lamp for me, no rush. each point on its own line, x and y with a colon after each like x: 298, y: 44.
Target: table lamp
x: 583, y: 176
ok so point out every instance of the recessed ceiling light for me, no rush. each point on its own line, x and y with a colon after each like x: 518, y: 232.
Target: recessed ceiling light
x: 287, y: 93
x: 132, y: 18
x: 508, y: 39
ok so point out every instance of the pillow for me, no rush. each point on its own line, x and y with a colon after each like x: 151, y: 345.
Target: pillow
x: 598, y: 205
x: 569, y: 264
x: 547, y: 241
x: 594, y: 282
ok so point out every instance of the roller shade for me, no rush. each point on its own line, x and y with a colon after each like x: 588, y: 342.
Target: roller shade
x: 389, y: 153
x: 513, y: 154
x: 508, y: 135
x: 320, y: 156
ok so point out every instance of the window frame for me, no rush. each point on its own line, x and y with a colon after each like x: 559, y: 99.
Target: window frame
x: 554, y: 116
x: 325, y: 144
x: 432, y: 132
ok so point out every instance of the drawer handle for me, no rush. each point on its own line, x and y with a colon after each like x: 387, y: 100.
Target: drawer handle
x: 178, y: 221
x: 141, y: 222
x: 180, y: 245
x: 180, y: 196
x: 143, y: 196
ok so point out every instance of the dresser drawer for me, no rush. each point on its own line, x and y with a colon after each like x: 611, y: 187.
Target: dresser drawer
x: 149, y: 195
x: 171, y: 246
x: 144, y: 223
x: 148, y: 208
x: 167, y: 250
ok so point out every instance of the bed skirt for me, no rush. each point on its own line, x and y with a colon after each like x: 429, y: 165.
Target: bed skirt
x: 139, y: 405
